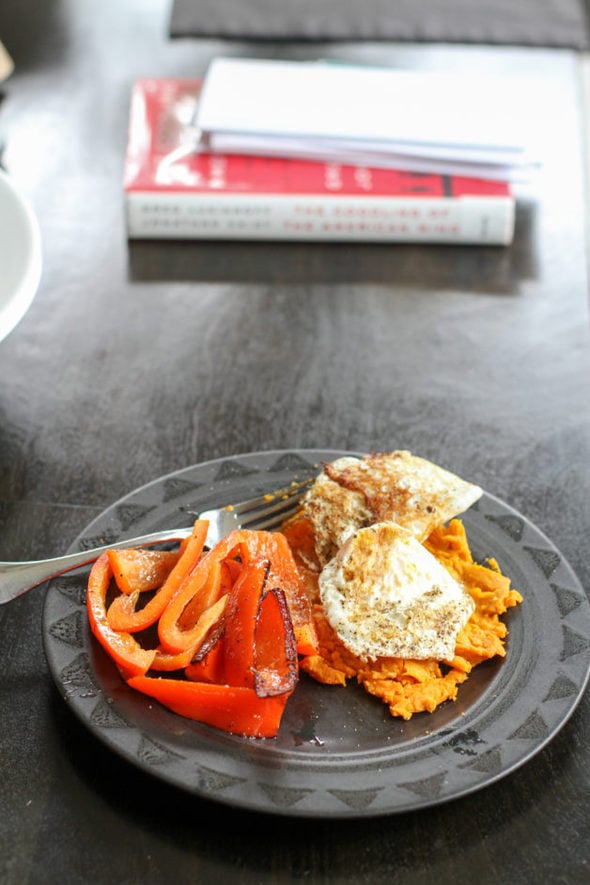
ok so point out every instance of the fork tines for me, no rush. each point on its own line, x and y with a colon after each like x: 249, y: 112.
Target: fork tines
x: 271, y: 509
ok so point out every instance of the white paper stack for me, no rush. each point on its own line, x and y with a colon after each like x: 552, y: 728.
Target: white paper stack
x: 381, y: 117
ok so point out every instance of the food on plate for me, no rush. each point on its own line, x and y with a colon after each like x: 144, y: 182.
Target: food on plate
x: 227, y: 624
x: 372, y: 579
x: 408, y: 685
x: 386, y: 595
x: 399, y: 487
x: 367, y: 539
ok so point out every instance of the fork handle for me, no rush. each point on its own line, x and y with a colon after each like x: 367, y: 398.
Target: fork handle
x: 18, y: 577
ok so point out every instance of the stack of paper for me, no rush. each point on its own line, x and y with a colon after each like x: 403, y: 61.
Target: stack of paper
x: 381, y: 117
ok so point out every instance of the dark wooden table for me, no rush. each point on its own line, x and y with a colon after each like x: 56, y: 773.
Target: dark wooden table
x: 138, y: 359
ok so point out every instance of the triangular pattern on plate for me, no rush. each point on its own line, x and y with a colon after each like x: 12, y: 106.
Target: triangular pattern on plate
x: 358, y: 800
x: 567, y: 600
x: 512, y: 525
x: 176, y: 488
x: 105, y: 715
x: 232, y: 470
x: 534, y: 728
x: 70, y: 629
x: 78, y: 674
x: 428, y: 787
x: 284, y: 797
x: 562, y: 687
x: 151, y: 752
x: 573, y: 644
x: 71, y: 586
x: 129, y: 514
x: 215, y: 781
x: 291, y: 461
x: 488, y: 762
x: 546, y: 560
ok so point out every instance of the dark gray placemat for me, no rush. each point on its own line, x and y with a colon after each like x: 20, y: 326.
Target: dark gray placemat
x: 551, y: 23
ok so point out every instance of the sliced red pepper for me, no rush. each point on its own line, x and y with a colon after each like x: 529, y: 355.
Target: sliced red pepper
x: 256, y: 545
x: 285, y: 574
x: 232, y: 569
x: 136, y: 569
x: 122, y: 614
x: 195, y: 594
x: 209, y: 663
x: 129, y: 656
x: 275, y: 649
x: 178, y: 627
x: 235, y: 709
x: 216, y: 621
x: 216, y: 584
x: 240, y: 624
x: 206, y: 622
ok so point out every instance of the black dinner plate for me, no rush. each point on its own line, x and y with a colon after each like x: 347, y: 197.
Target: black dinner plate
x: 338, y: 752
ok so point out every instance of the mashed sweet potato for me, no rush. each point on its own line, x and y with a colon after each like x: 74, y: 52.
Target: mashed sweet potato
x: 407, y: 686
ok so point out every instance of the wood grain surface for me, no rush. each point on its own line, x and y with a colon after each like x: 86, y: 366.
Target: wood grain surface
x: 139, y: 359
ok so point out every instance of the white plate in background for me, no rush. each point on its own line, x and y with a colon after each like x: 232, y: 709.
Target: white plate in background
x: 20, y: 255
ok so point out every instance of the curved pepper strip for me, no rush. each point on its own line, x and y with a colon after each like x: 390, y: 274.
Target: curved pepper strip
x: 274, y: 546
x: 138, y: 570
x: 259, y: 646
x: 240, y: 624
x: 122, y: 614
x: 129, y: 656
x: 219, y: 583
x: 275, y: 650
x: 250, y: 546
x: 251, y: 645
x: 206, y: 622
x: 235, y: 709
x: 197, y: 592
x: 209, y: 663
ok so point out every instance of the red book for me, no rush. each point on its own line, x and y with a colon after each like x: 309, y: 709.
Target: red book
x: 175, y: 191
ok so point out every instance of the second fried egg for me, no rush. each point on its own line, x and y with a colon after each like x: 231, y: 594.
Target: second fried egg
x: 385, y: 595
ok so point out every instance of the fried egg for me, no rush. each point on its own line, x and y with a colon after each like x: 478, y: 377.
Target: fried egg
x: 335, y: 512
x: 399, y: 487
x: 385, y: 595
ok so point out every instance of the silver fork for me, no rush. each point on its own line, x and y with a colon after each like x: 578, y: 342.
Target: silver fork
x: 264, y: 512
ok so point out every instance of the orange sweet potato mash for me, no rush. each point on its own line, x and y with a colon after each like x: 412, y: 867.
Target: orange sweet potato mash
x: 407, y: 686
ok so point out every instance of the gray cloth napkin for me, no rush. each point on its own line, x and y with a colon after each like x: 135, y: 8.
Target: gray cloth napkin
x: 550, y: 23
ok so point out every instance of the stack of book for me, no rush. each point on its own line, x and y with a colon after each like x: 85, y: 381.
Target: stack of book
x: 187, y: 175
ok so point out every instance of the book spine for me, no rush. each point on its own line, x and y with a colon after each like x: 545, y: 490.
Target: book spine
x: 182, y: 215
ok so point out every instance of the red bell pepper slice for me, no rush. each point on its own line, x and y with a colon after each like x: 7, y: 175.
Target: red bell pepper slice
x: 195, y: 594
x: 178, y: 627
x: 240, y: 625
x: 275, y: 648
x: 218, y: 622
x: 136, y: 569
x: 209, y: 619
x: 259, y: 641
x: 235, y: 709
x: 251, y: 546
x: 122, y: 614
x: 285, y: 574
x: 208, y: 665
x: 129, y: 656
x: 219, y: 582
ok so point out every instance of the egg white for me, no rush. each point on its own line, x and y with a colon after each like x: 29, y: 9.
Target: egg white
x: 396, y: 486
x: 386, y: 595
